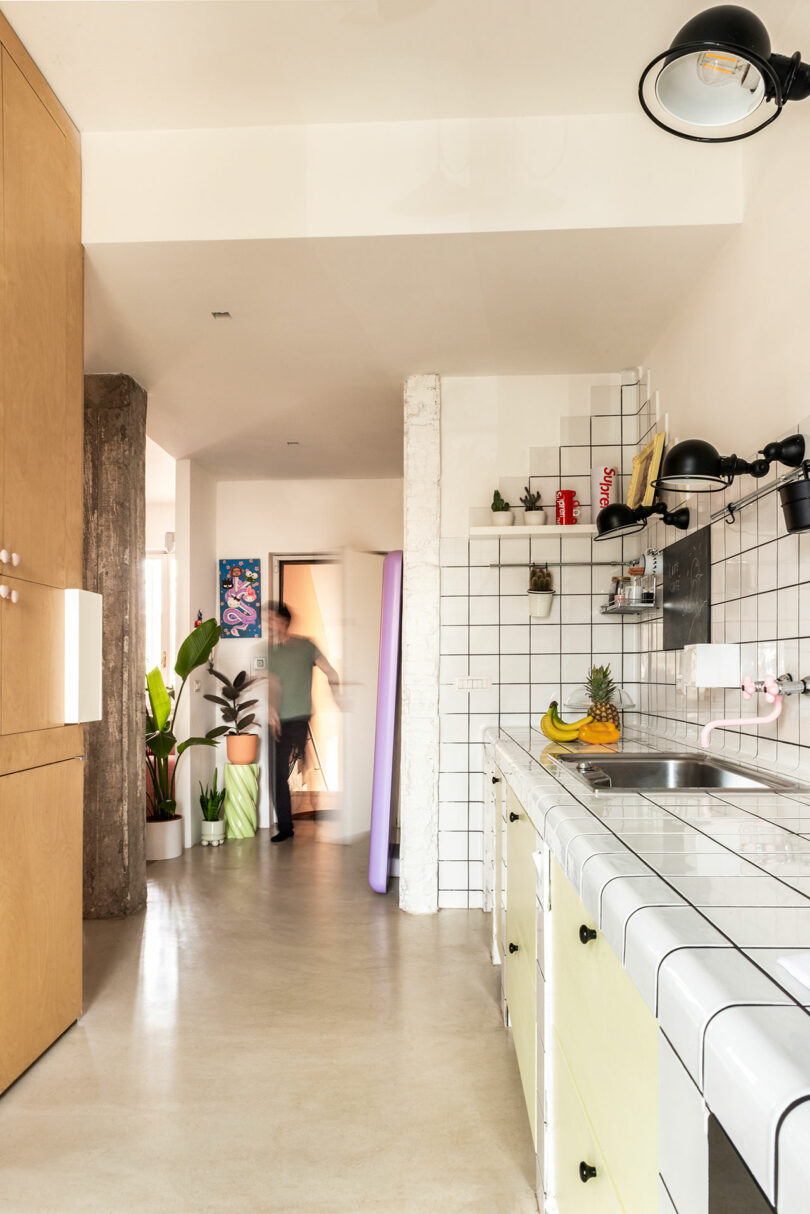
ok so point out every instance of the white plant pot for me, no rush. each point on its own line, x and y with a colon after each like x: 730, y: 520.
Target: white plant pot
x: 503, y: 518
x: 535, y: 518
x: 164, y: 840
x: 540, y: 602
x: 212, y: 833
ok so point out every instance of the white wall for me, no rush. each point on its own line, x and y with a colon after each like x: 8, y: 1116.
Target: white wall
x: 159, y: 520
x: 734, y: 365
x: 490, y: 425
x: 196, y: 590
x: 256, y: 518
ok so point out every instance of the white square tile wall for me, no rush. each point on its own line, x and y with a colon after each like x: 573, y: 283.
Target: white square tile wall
x: 486, y: 630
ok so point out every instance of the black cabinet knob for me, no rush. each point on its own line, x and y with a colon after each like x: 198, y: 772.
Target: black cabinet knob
x: 514, y: 817
x: 513, y: 948
x: 586, y: 1172
x: 495, y: 780
x: 586, y: 933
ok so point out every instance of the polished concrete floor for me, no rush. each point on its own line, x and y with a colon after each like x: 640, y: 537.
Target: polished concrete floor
x: 271, y: 1035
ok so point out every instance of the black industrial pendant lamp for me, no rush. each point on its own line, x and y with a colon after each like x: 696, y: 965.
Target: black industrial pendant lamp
x: 719, y: 81
x: 695, y: 466
x: 617, y: 520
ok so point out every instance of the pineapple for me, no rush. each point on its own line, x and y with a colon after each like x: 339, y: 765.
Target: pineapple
x: 601, y: 690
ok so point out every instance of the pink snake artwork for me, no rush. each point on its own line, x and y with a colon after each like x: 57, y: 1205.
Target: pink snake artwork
x: 238, y: 615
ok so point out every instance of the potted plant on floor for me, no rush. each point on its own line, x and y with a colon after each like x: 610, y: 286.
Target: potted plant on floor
x: 240, y: 743
x: 501, y: 511
x: 164, y: 826
x: 541, y: 593
x: 213, y: 824
x: 534, y: 516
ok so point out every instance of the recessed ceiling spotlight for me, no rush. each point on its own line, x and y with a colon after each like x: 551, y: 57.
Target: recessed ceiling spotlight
x: 221, y: 315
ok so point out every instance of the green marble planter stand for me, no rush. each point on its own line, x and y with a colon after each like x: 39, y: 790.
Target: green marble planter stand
x: 241, y: 796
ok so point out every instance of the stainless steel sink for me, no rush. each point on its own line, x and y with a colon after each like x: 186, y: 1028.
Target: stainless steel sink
x: 667, y: 772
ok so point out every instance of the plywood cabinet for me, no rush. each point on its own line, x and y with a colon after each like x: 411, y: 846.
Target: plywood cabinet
x: 41, y: 521
x: 41, y: 297
x: 40, y: 911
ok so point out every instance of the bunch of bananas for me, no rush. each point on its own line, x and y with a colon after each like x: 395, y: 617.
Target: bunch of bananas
x: 558, y: 730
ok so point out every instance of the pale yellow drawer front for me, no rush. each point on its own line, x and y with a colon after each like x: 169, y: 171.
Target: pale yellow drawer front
x: 574, y: 1143
x: 521, y: 966
x: 610, y: 1039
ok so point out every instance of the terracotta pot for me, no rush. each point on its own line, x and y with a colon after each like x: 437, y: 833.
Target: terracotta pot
x: 164, y: 840
x: 242, y: 747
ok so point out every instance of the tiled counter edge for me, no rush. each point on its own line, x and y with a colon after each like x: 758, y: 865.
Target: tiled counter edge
x: 742, y: 1042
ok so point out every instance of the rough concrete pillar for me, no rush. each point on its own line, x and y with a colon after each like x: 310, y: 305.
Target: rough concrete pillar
x: 419, y: 763
x: 114, y: 548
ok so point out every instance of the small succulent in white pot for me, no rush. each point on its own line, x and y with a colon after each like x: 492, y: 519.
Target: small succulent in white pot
x: 501, y: 511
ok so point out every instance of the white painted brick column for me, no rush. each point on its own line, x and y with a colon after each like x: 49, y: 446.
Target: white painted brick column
x: 419, y: 768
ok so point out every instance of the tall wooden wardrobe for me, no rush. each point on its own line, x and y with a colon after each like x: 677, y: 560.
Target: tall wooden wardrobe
x: 41, y: 390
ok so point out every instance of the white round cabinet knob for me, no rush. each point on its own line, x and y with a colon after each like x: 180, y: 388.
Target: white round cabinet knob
x: 14, y: 596
x: 5, y: 593
x: 5, y: 556
x: 15, y: 560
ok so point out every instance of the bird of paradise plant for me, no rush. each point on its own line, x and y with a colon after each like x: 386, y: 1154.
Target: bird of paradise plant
x: 160, y: 718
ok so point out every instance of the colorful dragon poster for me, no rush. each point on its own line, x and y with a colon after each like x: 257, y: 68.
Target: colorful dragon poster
x: 240, y: 597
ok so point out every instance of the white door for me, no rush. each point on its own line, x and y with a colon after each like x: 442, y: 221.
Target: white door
x: 362, y: 602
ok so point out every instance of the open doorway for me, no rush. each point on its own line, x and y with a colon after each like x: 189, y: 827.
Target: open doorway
x: 312, y: 588
x: 335, y: 599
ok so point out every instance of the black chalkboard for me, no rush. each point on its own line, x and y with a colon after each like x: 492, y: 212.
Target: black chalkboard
x: 687, y: 591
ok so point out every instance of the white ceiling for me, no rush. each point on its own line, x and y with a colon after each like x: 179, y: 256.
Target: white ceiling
x: 323, y: 331
x: 178, y: 64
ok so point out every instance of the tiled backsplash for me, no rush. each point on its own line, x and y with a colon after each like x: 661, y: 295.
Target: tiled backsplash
x: 760, y: 595
x: 486, y: 631
x: 760, y: 599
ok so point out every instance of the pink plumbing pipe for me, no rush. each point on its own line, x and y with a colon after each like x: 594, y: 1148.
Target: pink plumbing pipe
x: 772, y: 695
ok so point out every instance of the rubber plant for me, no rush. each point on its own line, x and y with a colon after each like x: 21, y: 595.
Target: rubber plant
x: 161, y: 715
x: 231, y: 705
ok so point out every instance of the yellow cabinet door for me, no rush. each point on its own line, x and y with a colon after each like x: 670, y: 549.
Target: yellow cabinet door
x: 575, y: 1146
x: 610, y: 1040
x: 40, y: 911
x: 34, y: 331
x: 521, y: 946
x: 32, y: 657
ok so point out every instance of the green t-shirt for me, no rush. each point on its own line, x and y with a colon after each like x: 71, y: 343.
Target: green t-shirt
x: 292, y: 664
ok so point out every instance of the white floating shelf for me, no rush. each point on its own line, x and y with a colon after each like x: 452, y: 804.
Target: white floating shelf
x: 581, y: 530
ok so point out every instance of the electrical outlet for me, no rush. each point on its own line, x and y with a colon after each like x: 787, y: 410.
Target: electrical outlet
x: 259, y: 664
x: 468, y: 683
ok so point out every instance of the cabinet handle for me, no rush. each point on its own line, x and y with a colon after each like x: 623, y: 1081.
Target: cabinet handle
x: 6, y: 593
x: 495, y: 780
x: 514, y: 817
x: 586, y: 933
x: 513, y: 948
x: 586, y: 1172
x: 6, y: 556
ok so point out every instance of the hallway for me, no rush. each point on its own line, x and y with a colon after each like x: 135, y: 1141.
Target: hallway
x: 271, y: 1035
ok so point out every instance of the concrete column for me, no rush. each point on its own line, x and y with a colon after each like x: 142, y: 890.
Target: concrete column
x: 419, y: 767
x: 114, y: 548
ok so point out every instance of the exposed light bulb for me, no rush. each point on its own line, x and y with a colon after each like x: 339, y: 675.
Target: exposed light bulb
x: 717, y: 68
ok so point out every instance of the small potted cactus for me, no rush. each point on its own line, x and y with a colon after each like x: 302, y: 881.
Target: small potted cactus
x: 502, y: 515
x: 535, y: 516
x: 541, y: 592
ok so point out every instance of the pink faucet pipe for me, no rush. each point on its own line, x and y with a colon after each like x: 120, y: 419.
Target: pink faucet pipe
x: 766, y: 720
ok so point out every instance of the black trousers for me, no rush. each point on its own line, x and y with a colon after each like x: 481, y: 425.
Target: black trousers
x: 289, y: 746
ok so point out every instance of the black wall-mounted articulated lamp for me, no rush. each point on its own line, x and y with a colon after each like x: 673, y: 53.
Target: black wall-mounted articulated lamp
x: 718, y: 81
x: 695, y: 466
x: 617, y: 520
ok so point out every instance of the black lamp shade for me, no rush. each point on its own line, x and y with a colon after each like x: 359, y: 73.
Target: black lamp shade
x: 693, y: 466
x: 717, y: 72
x: 617, y: 520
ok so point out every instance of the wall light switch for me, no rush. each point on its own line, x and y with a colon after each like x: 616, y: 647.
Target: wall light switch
x: 259, y: 664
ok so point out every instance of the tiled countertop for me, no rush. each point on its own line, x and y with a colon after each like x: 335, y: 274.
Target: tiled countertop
x: 703, y: 897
